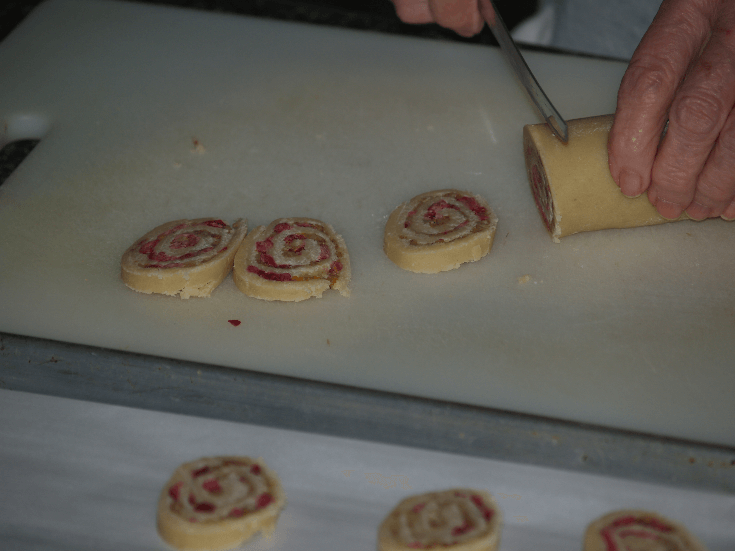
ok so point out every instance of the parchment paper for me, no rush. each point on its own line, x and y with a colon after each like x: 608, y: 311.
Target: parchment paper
x: 84, y: 476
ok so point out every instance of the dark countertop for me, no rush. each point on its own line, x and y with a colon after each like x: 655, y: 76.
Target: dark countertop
x: 375, y: 15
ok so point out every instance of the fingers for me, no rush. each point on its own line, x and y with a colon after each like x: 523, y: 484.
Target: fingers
x: 715, y: 190
x: 682, y: 75
x: 695, y: 159
x: 461, y: 16
x: 647, y: 90
x: 414, y: 12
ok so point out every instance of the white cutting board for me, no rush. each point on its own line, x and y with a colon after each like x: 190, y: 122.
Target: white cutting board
x: 632, y: 329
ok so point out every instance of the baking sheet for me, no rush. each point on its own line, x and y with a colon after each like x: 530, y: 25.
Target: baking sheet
x: 85, y: 476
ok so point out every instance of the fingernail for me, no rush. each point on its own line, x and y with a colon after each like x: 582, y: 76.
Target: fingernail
x: 670, y: 211
x: 631, y: 184
x: 697, y: 211
x: 729, y: 213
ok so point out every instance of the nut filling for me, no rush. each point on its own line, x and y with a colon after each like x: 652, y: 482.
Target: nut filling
x: 217, y: 503
x: 297, y: 250
x: 218, y: 489
x: 443, y: 218
x: 185, y: 245
x: 292, y: 259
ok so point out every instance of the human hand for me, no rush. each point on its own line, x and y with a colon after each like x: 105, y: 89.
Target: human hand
x: 683, y: 71
x: 461, y: 16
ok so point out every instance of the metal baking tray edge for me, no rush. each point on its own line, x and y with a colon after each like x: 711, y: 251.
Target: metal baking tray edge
x: 146, y: 382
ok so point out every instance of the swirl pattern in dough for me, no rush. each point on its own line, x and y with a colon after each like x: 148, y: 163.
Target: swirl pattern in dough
x: 439, y: 230
x: 639, y: 531
x: 184, y: 257
x: 461, y: 519
x: 292, y: 259
x: 218, y: 502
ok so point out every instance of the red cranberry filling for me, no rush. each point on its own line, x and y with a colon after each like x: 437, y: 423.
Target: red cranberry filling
x: 199, y: 472
x: 264, y: 500
x: 487, y: 513
x: 271, y: 276
x: 175, y: 491
x: 462, y: 529
x: 201, y: 507
x: 215, y: 224
x: 474, y: 206
x: 237, y: 512
x: 212, y: 486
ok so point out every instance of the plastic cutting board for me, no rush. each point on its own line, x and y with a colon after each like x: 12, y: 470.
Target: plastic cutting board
x: 632, y: 329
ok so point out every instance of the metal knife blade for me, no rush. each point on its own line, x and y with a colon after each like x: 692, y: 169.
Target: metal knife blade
x: 524, y: 74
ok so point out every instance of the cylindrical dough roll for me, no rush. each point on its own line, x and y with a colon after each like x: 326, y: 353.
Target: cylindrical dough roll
x: 572, y: 185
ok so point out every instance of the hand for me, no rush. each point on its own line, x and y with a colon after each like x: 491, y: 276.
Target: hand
x: 461, y: 16
x: 683, y: 72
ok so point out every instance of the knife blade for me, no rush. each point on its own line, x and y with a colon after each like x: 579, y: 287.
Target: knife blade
x: 524, y: 74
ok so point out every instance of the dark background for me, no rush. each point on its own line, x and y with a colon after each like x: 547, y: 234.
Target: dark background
x: 377, y: 15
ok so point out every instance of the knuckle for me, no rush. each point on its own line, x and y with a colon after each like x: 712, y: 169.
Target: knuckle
x: 715, y: 192
x: 698, y: 115
x: 649, y: 79
x: 676, y: 182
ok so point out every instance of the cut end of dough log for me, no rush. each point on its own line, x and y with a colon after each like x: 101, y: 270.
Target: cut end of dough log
x: 572, y: 185
x: 292, y: 259
x: 188, y: 258
x: 439, y: 231
x: 460, y: 519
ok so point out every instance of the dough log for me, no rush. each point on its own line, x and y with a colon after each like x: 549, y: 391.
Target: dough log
x: 572, y: 185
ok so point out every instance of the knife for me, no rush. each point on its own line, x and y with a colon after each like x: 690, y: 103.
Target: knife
x: 524, y: 74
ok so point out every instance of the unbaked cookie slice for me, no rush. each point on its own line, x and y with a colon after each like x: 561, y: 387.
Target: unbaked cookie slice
x: 292, y: 259
x: 217, y: 503
x: 572, y: 185
x: 458, y: 519
x: 189, y: 258
x: 640, y: 530
x: 439, y: 231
